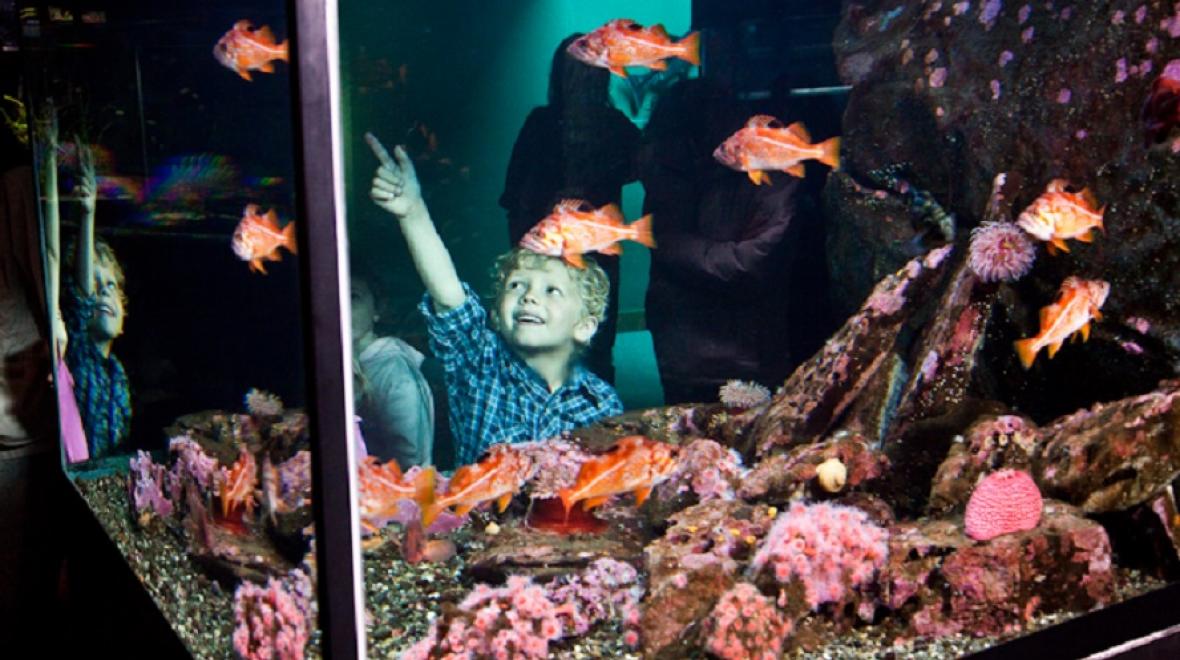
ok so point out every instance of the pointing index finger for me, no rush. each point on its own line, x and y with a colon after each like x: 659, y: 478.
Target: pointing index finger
x: 379, y: 151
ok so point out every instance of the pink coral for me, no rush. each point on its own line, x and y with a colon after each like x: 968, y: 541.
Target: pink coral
x: 557, y: 463
x: 272, y: 622
x: 828, y: 548
x: 708, y: 468
x: 147, y: 486
x: 744, y: 625
x: 1003, y: 502
x: 1000, y: 251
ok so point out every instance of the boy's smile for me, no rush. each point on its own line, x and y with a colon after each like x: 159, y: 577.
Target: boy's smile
x: 541, y: 310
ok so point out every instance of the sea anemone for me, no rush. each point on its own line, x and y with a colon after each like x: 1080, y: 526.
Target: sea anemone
x: 263, y: 404
x: 1000, y: 251
x: 743, y: 395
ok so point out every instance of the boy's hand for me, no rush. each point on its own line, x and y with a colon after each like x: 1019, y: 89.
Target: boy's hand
x: 87, y: 180
x: 395, y: 186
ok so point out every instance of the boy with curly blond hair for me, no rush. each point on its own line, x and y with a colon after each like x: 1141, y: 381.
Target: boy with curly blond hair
x: 513, y: 375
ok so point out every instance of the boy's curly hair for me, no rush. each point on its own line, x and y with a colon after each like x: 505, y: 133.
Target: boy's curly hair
x: 592, y: 282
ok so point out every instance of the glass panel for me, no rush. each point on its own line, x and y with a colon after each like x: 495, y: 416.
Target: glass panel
x: 165, y: 146
x: 831, y: 406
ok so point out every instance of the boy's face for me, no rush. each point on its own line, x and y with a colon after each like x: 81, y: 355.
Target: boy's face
x: 364, y: 312
x: 107, y: 322
x: 540, y: 309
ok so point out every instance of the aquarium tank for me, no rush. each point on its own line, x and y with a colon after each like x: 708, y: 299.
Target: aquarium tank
x: 667, y: 329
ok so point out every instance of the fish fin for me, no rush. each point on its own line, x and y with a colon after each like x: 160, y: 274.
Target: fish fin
x: 267, y: 68
x: 1085, y: 332
x: 612, y: 212
x: 613, y: 249
x: 424, y: 488
x: 1087, y: 237
x: 1098, y: 224
x: 643, y: 231
x: 1095, y: 314
x: 271, y: 220
x: 796, y: 170
x: 567, y: 500
x: 245, y: 74
x: 1053, y: 348
x: 503, y: 501
x: 257, y: 267
x: 1026, y: 350
x: 758, y: 177
x: 1047, y: 313
x: 658, y: 65
x: 618, y: 71
x: 831, y: 153
x: 289, y: 238
x: 692, y: 49
x: 570, y: 205
x: 660, y: 31
x: 641, y: 495
x: 800, y: 131
x: 1089, y: 197
x: 1059, y: 244
x: 761, y: 121
x: 264, y: 35
x: 1056, y: 185
x: 463, y: 509
x: 592, y: 502
x: 430, y: 513
x: 574, y: 259
x: 286, y: 57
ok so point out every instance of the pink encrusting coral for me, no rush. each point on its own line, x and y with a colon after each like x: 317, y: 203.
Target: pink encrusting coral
x: 1000, y: 252
x: 147, y: 486
x: 272, y: 622
x: 830, y: 549
x: 709, y: 469
x: 744, y: 625
x: 1003, y: 502
x: 557, y: 463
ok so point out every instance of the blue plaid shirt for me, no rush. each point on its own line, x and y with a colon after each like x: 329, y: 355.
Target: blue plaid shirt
x: 494, y: 396
x: 100, y: 383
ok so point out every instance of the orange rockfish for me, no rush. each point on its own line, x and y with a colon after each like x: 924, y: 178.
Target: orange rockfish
x: 236, y: 485
x: 498, y: 477
x: 764, y: 144
x: 259, y: 238
x: 383, y: 487
x: 635, y: 464
x: 623, y: 42
x: 1058, y: 215
x: 1077, y: 304
x: 244, y: 49
x: 575, y: 228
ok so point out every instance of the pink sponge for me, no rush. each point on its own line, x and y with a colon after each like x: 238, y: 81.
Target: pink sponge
x: 1003, y: 502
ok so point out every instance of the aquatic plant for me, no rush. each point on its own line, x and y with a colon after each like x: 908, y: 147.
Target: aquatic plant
x: 1003, y: 502
x: 744, y: 625
x: 1000, y: 252
x: 827, y: 548
x: 272, y: 623
x: 147, y: 487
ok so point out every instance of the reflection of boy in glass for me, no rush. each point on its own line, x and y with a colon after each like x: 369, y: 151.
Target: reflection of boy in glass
x: 512, y: 377
x: 93, y: 311
x: 576, y: 147
x: 394, y: 402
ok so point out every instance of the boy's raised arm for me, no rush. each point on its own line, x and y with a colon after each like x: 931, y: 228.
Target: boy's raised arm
x: 88, y: 194
x: 395, y: 189
x: 47, y: 143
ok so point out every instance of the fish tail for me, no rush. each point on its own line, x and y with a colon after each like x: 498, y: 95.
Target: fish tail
x: 692, y: 49
x: 830, y: 153
x: 284, y: 53
x: 643, y: 233
x: 289, y: 237
x: 1026, y: 350
x: 430, y: 512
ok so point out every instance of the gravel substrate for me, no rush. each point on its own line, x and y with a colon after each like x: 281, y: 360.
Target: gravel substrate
x: 402, y: 599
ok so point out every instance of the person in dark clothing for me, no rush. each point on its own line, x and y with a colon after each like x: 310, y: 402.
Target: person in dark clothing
x: 576, y: 147
x: 717, y: 297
